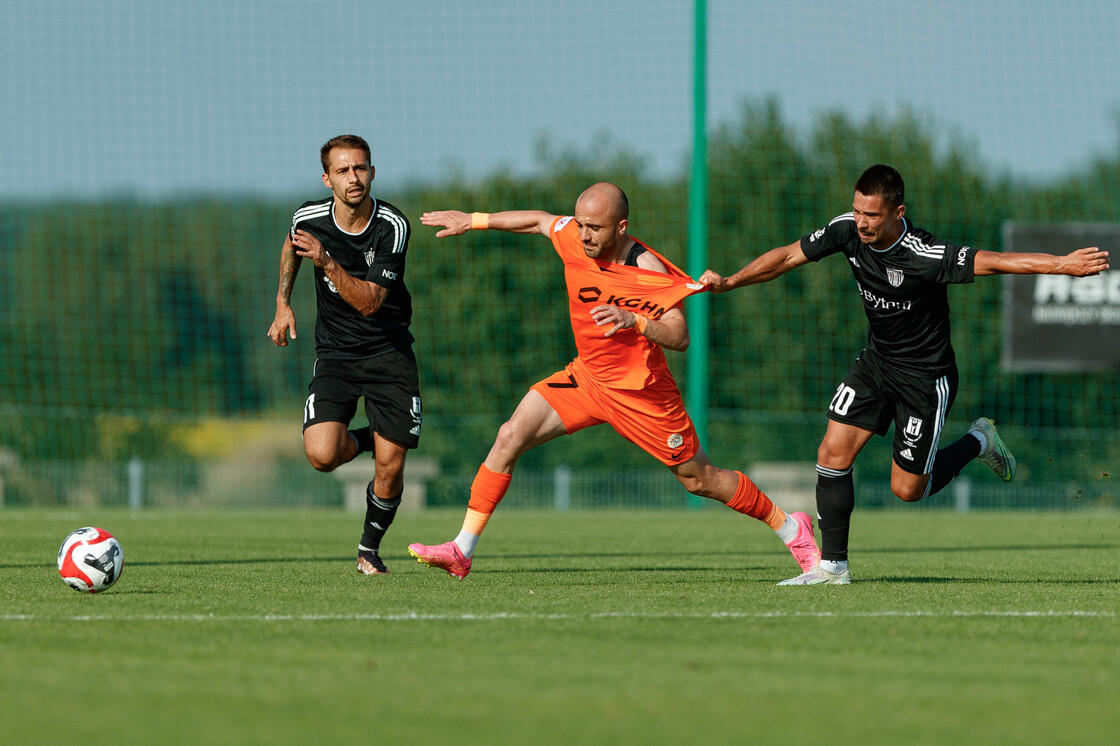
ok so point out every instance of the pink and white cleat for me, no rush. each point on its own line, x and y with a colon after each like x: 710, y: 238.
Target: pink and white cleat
x: 819, y: 576
x: 443, y: 556
x: 804, y: 547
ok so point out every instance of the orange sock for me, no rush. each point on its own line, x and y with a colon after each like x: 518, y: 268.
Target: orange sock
x: 487, y: 490
x: 749, y: 500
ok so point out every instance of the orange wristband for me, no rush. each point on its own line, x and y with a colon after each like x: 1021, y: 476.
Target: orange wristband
x: 640, y: 323
x: 480, y: 221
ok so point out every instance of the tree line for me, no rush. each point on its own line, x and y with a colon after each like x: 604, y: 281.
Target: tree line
x: 120, y: 321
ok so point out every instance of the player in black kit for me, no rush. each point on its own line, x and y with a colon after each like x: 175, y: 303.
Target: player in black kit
x: 362, y: 341
x: 907, y: 373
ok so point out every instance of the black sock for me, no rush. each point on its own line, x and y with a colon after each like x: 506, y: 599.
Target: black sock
x: 379, y: 516
x: 950, y: 460
x: 836, y: 499
x: 363, y: 436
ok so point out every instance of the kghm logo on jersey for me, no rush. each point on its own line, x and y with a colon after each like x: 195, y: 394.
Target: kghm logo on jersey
x: 595, y: 295
x: 895, y: 276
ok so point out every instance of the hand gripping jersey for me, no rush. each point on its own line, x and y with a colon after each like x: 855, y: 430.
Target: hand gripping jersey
x: 903, y: 288
x: 377, y: 254
x: 626, y: 360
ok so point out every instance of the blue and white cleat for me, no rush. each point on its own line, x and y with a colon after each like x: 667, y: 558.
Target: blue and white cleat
x: 995, y: 454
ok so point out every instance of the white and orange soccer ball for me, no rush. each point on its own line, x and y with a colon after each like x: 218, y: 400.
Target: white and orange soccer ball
x: 90, y: 560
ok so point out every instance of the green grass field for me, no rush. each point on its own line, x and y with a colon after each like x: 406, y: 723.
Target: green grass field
x: 583, y: 627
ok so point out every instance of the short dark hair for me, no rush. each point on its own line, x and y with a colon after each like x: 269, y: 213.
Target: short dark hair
x: 885, y: 182
x: 350, y: 142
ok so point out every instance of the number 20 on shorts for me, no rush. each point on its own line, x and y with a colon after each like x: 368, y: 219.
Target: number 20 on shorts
x: 843, y: 399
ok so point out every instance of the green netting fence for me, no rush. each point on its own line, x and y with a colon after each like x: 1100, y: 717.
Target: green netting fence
x: 134, y: 366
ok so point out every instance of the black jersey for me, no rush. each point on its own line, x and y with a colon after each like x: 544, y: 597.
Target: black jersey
x: 903, y: 288
x: 377, y: 255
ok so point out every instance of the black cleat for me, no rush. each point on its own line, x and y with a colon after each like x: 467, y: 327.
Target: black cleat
x: 370, y: 564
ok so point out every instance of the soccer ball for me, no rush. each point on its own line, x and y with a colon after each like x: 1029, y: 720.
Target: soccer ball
x: 90, y: 560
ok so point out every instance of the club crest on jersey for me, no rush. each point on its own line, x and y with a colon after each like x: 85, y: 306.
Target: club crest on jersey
x: 914, y: 428
x: 371, y: 255
x: 675, y: 440
x: 895, y: 276
x: 417, y: 416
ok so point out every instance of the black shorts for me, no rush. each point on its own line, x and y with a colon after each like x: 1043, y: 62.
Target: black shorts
x: 388, y: 382
x: 876, y: 393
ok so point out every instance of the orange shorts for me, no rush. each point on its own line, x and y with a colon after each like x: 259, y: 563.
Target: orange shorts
x: 653, y: 418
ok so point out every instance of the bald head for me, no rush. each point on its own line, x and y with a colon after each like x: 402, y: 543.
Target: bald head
x: 605, y: 199
x: 601, y: 214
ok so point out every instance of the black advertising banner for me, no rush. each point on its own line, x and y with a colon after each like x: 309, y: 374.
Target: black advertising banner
x: 1056, y: 323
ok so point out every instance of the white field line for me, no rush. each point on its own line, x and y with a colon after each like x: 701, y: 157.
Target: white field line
x: 413, y: 616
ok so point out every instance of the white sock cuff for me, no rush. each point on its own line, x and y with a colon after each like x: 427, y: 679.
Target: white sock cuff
x: 466, y: 542
x: 789, y: 530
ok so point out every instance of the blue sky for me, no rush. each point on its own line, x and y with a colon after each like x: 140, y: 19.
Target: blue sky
x: 159, y: 100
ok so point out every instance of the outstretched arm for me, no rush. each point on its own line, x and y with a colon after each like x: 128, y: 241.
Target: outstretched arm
x: 772, y: 264
x: 1080, y: 263
x: 456, y: 223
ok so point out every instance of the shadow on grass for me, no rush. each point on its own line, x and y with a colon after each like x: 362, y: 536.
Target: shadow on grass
x: 644, y: 563
x: 637, y: 553
x: 932, y: 580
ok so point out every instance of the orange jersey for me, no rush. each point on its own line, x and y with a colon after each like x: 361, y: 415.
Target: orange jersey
x: 626, y: 360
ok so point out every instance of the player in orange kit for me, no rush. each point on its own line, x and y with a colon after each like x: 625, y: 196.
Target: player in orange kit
x: 625, y: 305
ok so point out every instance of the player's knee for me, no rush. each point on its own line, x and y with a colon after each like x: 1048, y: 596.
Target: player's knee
x: 321, y: 459
x: 319, y: 465
x: 701, y: 484
x: 508, y: 442
x: 908, y: 491
x: 694, y: 485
